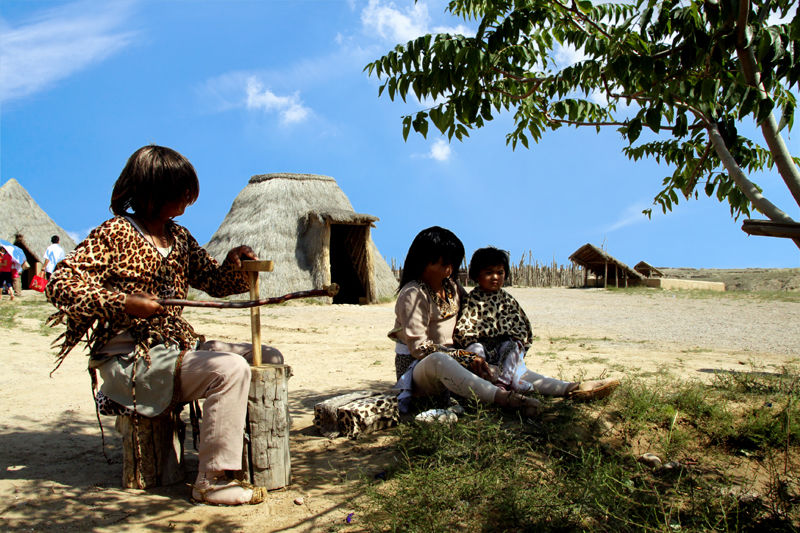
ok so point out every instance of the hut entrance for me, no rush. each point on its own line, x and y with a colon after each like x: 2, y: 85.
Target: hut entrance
x: 350, y: 263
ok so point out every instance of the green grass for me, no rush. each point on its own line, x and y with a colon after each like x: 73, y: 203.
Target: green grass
x: 576, y: 468
x: 12, y: 314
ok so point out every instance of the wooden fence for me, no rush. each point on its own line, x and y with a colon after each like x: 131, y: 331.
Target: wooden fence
x: 528, y: 273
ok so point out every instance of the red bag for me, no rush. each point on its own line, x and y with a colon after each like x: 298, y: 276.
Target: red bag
x: 38, y: 283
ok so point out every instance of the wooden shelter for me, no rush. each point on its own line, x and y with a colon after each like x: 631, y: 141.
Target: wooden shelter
x: 307, y: 226
x: 604, y: 266
x: 648, y: 270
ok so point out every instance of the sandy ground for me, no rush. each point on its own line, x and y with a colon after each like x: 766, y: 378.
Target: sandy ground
x: 53, y: 474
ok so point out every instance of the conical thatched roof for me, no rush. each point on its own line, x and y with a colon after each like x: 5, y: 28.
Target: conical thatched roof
x: 287, y: 218
x: 21, y: 216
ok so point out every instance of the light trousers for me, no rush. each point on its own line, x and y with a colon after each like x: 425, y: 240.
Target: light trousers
x: 219, y: 372
x: 438, y: 371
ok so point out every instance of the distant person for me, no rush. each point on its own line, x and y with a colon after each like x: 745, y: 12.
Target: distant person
x: 6, y: 276
x: 493, y: 325
x: 52, y: 256
x: 148, y: 356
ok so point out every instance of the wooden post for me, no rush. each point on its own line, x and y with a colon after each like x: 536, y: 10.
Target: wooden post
x: 152, y: 450
x: 266, y: 453
x: 253, y: 268
x: 266, y: 461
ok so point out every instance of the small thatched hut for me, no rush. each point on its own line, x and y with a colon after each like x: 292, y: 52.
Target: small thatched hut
x: 26, y: 225
x: 647, y: 270
x: 307, y: 226
x: 604, y: 266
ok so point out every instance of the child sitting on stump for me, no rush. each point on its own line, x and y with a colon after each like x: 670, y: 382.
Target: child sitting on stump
x: 493, y: 325
x: 148, y: 356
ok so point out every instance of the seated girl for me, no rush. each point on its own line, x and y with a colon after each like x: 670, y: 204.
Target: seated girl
x: 493, y: 325
x: 148, y: 356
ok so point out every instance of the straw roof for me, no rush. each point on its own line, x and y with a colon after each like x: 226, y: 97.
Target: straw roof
x: 648, y: 270
x: 599, y: 262
x: 22, y: 217
x: 283, y: 217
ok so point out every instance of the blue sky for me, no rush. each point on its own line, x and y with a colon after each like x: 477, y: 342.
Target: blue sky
x: 252, y: 87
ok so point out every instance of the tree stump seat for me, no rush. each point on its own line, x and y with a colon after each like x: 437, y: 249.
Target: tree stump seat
x: 152, y: 449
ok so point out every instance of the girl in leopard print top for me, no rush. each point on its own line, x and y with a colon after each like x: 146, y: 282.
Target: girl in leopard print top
x: 493, y: 325
x: 148, y: 356
x: 427, y: 306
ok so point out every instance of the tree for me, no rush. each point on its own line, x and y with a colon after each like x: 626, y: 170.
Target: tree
x: 689, y: 71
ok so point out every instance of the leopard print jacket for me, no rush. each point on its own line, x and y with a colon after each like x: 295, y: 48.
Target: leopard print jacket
x: 488, y: 317
x: 89, y: 287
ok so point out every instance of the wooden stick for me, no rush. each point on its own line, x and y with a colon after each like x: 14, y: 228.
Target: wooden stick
x: 255, y: 319
x: 328, y: 290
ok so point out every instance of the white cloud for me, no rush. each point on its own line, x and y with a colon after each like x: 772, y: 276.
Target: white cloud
x: 568, y: 55
x: 401, y: 25
x: 289, y: 108
x: 440, y: 151
x: 629, y: 216
x: 58, y: 43
x: 394, y: 24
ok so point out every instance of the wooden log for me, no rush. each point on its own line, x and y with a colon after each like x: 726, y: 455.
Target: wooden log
x: 266, y: 451
x: 152, y: 450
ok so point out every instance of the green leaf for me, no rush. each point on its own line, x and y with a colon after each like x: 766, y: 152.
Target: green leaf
x: 765, y: 107
x: 634, y: 129
x: 652, y: 118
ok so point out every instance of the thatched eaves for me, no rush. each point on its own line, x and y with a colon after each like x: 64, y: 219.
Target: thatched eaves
x: 601, y: 264
x: 25, y: 222
x: 340, y: 216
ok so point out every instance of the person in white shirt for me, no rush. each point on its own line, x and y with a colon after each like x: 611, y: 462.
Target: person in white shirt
x: 52, y: 256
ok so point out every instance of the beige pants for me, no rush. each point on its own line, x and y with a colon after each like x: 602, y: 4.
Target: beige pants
x: 439, y: 371
x: 220, y: 373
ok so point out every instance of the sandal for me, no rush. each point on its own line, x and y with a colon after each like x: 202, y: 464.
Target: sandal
x: 588, y: 391
x: 219, y: 490
x: 529, y: 407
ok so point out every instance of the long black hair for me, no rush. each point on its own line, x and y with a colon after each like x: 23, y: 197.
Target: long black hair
x: 487, y: 257
x: 152, y: 177
x: 428, y: 247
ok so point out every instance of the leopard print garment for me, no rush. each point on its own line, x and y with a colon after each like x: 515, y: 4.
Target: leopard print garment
x: 89, y: 286
x: 487, y: 317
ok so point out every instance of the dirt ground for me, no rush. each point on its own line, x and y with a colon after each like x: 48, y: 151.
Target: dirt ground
x: 53, y: 474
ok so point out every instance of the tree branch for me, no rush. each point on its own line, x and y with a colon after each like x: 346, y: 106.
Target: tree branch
x: 769, y: 128
x: 747, y: 187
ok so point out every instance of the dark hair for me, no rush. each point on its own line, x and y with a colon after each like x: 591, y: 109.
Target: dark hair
x: 54, y: 239
x: 487, y: 257
x: 428, y: 247
x: 153, y: 177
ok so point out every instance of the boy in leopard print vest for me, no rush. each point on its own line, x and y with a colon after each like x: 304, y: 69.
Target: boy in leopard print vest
x: 493, y: 325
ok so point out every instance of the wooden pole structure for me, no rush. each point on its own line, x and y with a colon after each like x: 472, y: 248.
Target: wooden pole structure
x: 266, y: 460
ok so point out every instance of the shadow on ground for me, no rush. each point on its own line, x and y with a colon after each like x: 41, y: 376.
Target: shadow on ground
x: 55, y: 476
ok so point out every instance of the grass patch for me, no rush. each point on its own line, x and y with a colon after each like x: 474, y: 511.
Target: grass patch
x: 576, y: 468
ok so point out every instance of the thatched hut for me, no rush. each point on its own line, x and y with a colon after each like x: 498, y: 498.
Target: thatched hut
x: 647, y: 270
x: 27, y: 226
x: 604, y: 266
x: 307, y: 226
